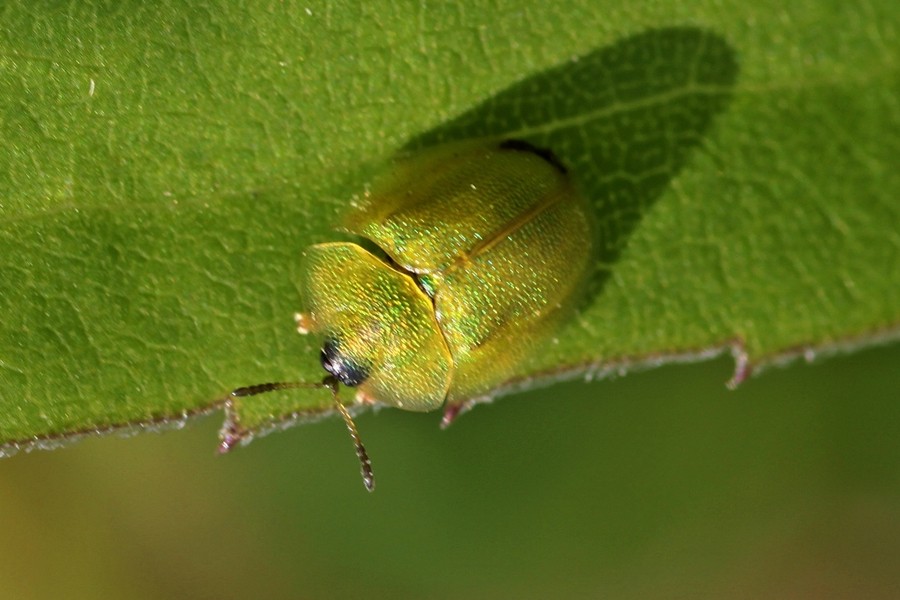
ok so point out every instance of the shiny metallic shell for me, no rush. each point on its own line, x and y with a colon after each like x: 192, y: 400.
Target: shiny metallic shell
x: 492, y: 236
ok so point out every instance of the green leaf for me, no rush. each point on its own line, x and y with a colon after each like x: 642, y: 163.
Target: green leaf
x: 162, y: 168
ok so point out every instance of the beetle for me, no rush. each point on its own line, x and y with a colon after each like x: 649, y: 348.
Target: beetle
x: 469, y: 257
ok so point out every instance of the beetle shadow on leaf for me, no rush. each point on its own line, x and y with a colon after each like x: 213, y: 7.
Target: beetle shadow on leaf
x: 623, y: 118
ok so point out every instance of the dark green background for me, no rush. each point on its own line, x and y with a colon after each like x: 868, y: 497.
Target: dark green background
x: 657, y: 485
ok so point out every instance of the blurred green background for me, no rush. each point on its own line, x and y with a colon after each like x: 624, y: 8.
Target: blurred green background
x: 657, y: 485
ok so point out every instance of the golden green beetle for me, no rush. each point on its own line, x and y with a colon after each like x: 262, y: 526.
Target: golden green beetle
x: 470, y: 254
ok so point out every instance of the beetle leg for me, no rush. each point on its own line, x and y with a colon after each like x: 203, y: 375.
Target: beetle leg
x: 363, y: 398
x: 452, y: 411
x: 303, y: 323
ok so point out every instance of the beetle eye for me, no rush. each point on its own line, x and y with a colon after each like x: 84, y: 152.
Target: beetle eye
x: 347, y: 371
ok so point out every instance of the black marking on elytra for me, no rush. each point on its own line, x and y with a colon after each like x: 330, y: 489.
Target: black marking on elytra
x: 545, y: 153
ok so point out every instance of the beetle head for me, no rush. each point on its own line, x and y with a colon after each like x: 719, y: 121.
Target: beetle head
x: 344, y: 369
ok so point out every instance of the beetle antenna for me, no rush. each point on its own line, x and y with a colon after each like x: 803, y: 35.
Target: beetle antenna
x: 365, y: 465
x: 331, y: 383
x: 275, y: 386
